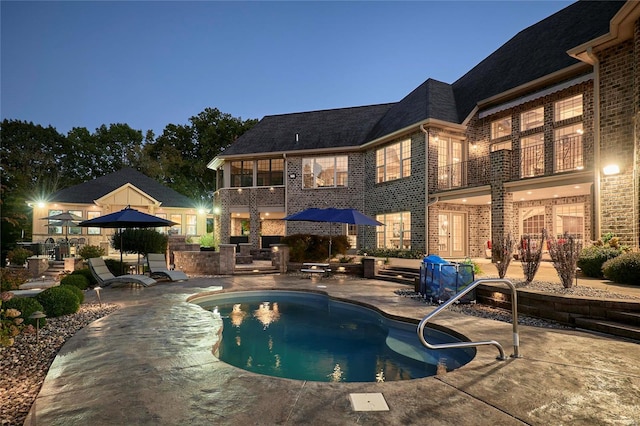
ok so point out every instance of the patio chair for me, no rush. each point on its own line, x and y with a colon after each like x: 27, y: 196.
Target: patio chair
x: 158, y: 268
x: 104, y: 277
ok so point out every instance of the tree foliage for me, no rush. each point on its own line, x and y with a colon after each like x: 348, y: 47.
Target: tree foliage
x: 36, y: 161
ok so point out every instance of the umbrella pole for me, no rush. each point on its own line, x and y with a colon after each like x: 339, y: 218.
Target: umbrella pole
x: 121, y: 264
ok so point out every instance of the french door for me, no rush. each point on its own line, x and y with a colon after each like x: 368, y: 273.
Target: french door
x: 452, y: 234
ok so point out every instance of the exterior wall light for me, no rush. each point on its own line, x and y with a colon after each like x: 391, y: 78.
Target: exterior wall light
x: 611, y: 169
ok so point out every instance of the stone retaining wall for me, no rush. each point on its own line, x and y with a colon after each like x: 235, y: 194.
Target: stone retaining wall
x: 197, y: 262
x: 563, y: 309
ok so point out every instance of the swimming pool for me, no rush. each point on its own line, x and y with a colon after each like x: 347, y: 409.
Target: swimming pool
x: 309, y: 336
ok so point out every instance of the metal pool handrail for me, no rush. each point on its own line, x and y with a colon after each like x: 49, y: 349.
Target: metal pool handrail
x: 514, y: 309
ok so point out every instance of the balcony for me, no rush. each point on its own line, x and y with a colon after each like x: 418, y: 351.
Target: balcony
x: 532, y: 160
x: 474, y: 172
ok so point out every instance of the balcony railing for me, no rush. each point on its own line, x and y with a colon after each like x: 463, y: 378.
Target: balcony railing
x: 568, y: 154
x: 474, y: 172
x: 532, y: 160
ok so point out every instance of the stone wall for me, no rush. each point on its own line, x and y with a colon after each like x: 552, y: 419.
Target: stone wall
x: 197, y: 262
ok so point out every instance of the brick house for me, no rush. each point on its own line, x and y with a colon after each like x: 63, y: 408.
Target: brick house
x: 543, y: 133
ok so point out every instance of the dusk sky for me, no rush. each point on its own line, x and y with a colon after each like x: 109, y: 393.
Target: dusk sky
x: 152, y: 63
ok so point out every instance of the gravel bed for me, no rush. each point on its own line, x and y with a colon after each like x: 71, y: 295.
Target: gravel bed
x: 24, y: 366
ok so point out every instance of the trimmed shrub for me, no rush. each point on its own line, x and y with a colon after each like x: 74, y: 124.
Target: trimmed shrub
x: 592, y: 258
x: 305, y: 247
x: 85, y: 272
x: 19, y: 256
x: 76, y: 280
x: 26, y: 306
x: 89, y: 251
x: 13, y: 278
x: 623, y: 269
x: 58, y: 301
x: 397, y: 253
x: 76, y: 290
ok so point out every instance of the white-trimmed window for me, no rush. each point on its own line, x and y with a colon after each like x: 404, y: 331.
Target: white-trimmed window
x: 54, y: 229
x: 569, y: 218
x: 325, y: 172
x: 177, y: 218
x: 532, y: 155
x: 393, y: 161
x: 532, y: 221
x: 93, y: 230
x: 191, y: 220
x: 75, y: 230
x: 501, y: 128
x: 396, y: 234
x: 241, y: 173
x: 532, y: 119
x: 567, y: 108
x: 270, y: 172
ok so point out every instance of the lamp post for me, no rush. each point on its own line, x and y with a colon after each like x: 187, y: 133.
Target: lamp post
x: 97, y: 289
x: 37, y: 315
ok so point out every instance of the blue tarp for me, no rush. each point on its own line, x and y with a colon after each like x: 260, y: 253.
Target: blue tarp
x: 440, y: 280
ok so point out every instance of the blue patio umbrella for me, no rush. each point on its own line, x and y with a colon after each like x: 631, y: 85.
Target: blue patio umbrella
x: 333, y: 215
x: 126, y: 218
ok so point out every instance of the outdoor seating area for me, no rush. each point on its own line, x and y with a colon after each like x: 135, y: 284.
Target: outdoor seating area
x: 105, y: 278
x: 157, y: 265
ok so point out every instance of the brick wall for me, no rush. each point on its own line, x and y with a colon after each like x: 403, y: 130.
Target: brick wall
x: 618, y: 106
x: 406, y: 194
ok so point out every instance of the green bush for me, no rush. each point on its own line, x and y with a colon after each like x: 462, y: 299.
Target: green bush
x: 26, y: 306
x: 397, y: 253
x: 209, y: 240
x: 85, y: 272
x: 623, y: 269
x: 89, y: 252
x: 19, y: 256
x: 58, y: 301
x: 76, y: 290
x: 592, y: 258
x: 76, y: 280
x: 140, y: 241
x: 116, y: 267
x: 314, y: 248
x: 13, y: 278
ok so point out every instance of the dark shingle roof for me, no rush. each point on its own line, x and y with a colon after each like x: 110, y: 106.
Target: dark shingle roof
x: 87, y: 192
x: 432, y: 99
x: 334, y: 128
x: 534, y: 52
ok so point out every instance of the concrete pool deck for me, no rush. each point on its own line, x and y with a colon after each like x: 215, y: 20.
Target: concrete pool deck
x: 150, y: 363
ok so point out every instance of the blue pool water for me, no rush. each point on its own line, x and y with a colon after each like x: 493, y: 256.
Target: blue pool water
x: 308, y: 336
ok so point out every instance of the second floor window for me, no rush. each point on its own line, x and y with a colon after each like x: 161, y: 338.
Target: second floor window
x: 532, y: 119
x: 325, y: 172
x: 532, y: 155
x: 241, y: 173
x: 567, y: 108
x: 501, y: 128
x: 270, y: 172
x: 393, y: 161
x: 568, y: 148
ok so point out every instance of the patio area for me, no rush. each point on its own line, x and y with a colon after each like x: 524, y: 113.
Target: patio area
x: 150, y: 362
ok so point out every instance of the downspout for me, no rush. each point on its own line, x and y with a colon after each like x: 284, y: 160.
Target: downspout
x: 596, y: 145
x: 426, y: 188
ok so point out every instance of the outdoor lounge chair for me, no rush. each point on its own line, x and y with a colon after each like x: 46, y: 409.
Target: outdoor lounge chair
x: 158, y: 268
x: 104, y: 277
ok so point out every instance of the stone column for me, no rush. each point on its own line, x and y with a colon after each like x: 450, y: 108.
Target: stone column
x: 369, y: 267
x: 227, y: 259
x: 280, y: 256
x: 37, y: 265
x: 501, y: 200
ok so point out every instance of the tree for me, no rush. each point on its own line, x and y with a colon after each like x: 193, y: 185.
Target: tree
x: 183, y: 149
